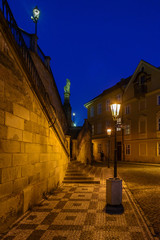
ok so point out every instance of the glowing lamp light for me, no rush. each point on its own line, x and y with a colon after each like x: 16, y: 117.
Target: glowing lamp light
x: 115, y: 108
x: 35, y: 17
x: 36, y: 13
x: 109, y: 131
x: 74, y: 114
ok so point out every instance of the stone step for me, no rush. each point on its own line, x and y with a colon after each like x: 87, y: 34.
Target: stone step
x: 78, y: 172
x: 82, y: 181
x: 78, y: 178
x: 75, y: 174
x: 73, y: 170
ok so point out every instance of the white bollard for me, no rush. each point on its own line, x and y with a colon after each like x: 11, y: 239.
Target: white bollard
x: 114, y: 191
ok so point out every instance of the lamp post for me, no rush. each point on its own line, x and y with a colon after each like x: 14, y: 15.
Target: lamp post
x: 114, y: 185
x: 109, y: 131
x: 115, y: 108
x: 74, y: 117
x: 35, y: 17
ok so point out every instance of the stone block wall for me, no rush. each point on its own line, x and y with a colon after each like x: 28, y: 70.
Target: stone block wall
x: 84, y: 144
x: 33, y: 160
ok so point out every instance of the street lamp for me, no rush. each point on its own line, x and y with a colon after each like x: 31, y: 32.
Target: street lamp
x: 115, y: 108
x: 109, y: 131
x: 74, y: 119
x: 114, y: 185
x: 35, y: 17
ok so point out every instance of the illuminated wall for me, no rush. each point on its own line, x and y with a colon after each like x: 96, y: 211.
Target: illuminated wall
x: 33, y: 154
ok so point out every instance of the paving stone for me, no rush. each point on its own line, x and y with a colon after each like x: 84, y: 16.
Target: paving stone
x: 77, y: 212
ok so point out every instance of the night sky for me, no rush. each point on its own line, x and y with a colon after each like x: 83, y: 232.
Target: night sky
x: 94, y: 43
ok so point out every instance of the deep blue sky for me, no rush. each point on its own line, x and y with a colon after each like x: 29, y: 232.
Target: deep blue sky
x: 94, y: 43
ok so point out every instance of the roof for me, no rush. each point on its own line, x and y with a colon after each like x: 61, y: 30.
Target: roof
x: 141, y: 63
x: 122, y: 83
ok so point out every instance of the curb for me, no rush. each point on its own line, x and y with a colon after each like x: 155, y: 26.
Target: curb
x: 146, y: 223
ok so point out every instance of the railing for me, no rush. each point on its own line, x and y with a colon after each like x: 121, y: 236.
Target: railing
x: 28, y: 38
x: 41, y: 54
x: 35, y: 79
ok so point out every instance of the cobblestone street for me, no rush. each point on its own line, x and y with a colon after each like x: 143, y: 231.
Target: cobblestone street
x: 77, y: 211
x: 143, y: 181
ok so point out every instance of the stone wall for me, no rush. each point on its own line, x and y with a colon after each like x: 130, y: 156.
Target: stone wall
x: 84, y: 144
x: 33, y: 158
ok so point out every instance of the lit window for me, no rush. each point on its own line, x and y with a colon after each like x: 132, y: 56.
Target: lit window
x: 128, y: 149
x: 119, y: 124
x: 158, y: 149
x: 119, y: 121
x: 127, y: 109
x: 92, y: 112
x: 99, y: 148
x: 127, y: 129
x: 108, y: 105
x: 99, y: 108
x: 158, y: 100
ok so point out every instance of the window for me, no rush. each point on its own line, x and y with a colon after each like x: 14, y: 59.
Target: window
x: 92, y: 129
x: 92, y: 112
x: 127, y: 129
x: 99, y: 148
x: 158, y: 100
x: 99, y: 128
x: 158, y: 121
x: 128, y: 149
x: 159, y: 124
x: 158, y: 149
x: 107, y: 105
x: 99, y: 108
x: 127, y: 109
x: 119, y: 97
x: 142, y: 79
x: 118, y: 124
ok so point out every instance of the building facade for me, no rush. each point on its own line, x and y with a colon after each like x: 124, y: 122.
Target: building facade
x: 138, y: 125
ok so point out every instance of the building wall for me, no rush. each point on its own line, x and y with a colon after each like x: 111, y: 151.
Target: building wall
x: 142, y: 144
x: 33, y: 159
x: 101, y: 121
x: 144, y: 135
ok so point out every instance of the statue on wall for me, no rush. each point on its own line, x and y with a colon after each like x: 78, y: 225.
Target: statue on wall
x: 67, y: 87
x: 67, y: 106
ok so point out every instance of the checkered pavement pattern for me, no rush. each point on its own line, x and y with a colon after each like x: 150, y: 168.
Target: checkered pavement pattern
x: 77, y: 212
